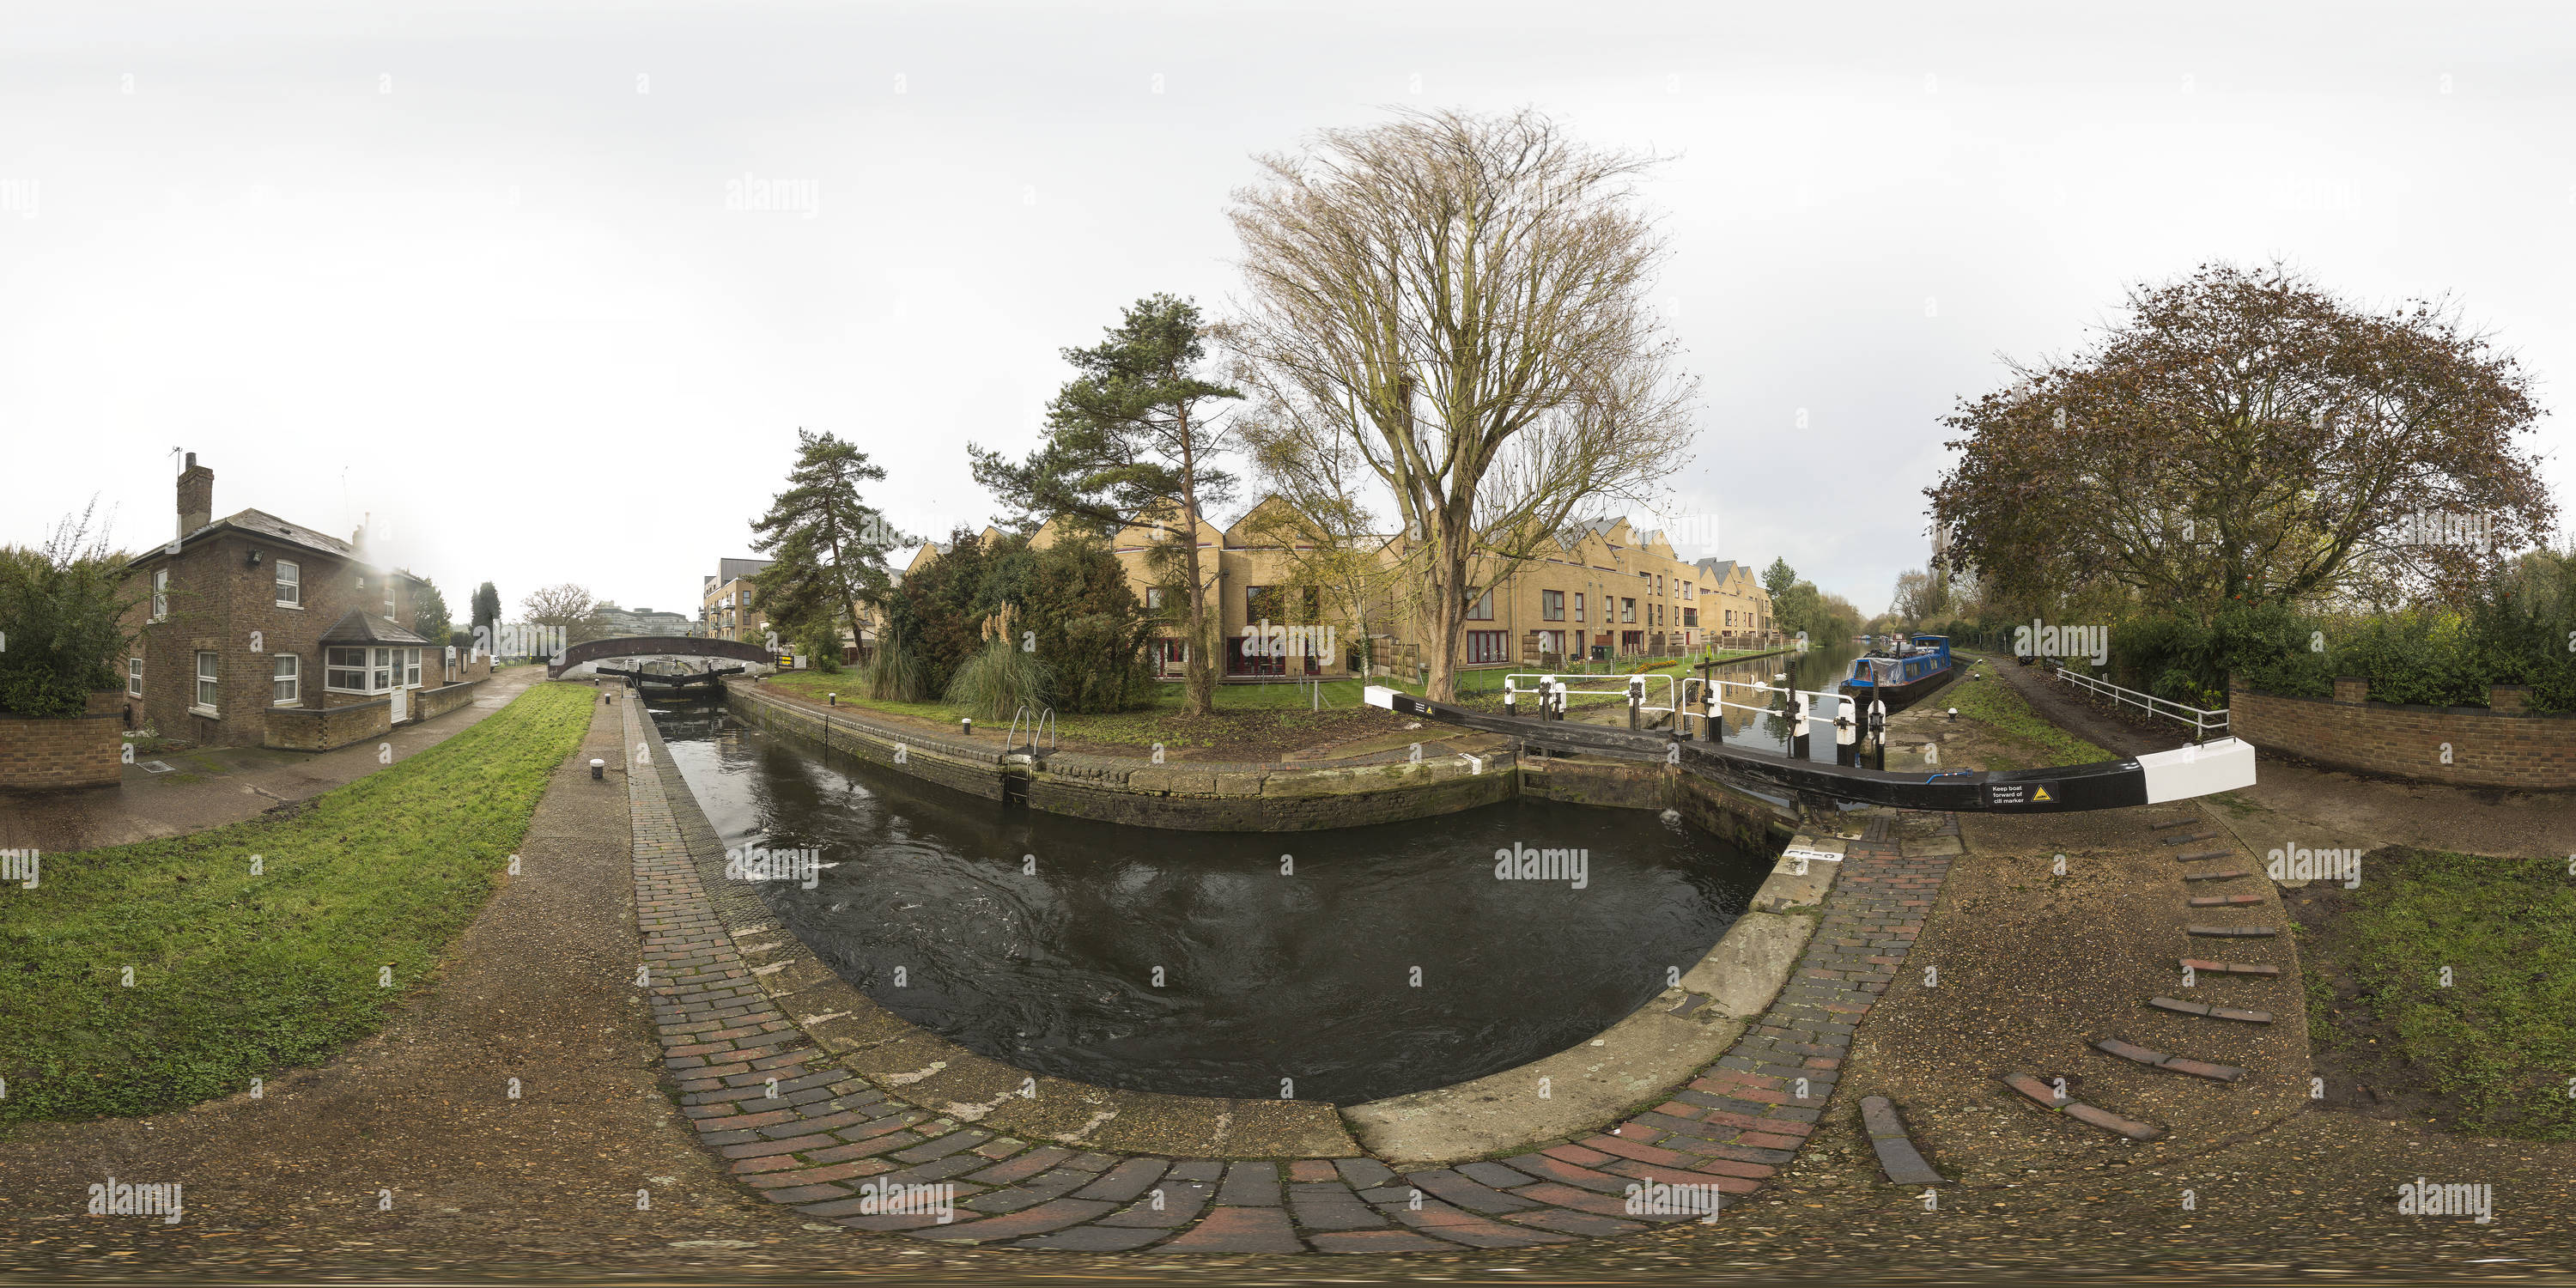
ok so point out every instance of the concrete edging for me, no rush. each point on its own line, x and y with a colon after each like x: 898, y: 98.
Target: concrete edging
x: 1631, y: 1064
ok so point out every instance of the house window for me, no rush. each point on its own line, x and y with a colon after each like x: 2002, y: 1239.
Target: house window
x: 1488, y: 646
x: 389, y: 598
x: 1578, y: 606
x: 383, y: 671
x: 1627, y: 610
x: 345, y: 670
x: 1551, y: 607
x: 290, y: 585
x: 160, y: 594
x: 1482, y: 610
x: 411, y: 668
x: 1153, y: 599
x: 286, y: 682
x: 206, y: 681
x: 1690, y: 618
x: 134, y: 677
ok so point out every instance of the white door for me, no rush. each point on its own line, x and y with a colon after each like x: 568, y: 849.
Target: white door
x: 402, y: 705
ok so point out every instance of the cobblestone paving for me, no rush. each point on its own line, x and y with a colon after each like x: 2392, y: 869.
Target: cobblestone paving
x: 794, y: 1126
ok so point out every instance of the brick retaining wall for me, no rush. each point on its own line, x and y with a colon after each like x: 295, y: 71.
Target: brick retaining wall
x: 67, y: 751
x: 1242, y: 796
x: 2499, y: 745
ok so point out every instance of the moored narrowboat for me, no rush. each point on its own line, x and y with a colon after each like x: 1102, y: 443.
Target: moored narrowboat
x: 1899, y: 672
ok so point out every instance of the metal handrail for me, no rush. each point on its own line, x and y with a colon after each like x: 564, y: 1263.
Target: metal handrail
x: 2201, y: 722
x: 1041, y: 725
x: 1671, y: 689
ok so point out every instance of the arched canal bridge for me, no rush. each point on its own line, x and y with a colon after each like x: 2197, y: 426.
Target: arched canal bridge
x: 583, y: 659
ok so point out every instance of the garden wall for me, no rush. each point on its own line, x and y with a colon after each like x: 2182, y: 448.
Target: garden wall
x: 2498, y: 745
x: 65, y: 751
x: 429, y: 704
x: 323, y: 728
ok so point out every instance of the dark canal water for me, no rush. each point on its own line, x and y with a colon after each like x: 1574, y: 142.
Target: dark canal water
x: 1384, y: 959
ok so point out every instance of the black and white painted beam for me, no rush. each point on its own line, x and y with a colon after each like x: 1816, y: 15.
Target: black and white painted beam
x: 2150, y: 779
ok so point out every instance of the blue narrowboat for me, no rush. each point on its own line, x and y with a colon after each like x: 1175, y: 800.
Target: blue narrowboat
x: 1899, y: 672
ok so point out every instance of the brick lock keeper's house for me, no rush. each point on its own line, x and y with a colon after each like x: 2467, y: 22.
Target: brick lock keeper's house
x: 253, y: 631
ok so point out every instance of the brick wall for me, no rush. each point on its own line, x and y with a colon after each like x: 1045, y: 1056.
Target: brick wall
x: 70, y: 751
x: 430, y: 703
x: 318, y: 729
x: 2500, y: 745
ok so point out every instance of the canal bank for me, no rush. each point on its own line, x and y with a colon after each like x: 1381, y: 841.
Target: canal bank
x: 1226, y: 796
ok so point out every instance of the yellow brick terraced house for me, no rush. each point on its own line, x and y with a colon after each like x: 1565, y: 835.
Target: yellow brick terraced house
x: 1599, y: 589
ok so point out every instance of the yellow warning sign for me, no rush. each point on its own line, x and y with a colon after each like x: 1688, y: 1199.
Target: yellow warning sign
x: 2040, y: 794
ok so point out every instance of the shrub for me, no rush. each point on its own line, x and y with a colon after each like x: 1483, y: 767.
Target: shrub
x: 1089, y: 628
x: 998, y: 680
x: 821, y: 641
x: 891, y: 673
x: 62, y: 609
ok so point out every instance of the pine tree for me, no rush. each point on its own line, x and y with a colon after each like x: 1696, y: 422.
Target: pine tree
x: 829, y: 544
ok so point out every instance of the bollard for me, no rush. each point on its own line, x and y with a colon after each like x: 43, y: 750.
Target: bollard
x: 598, y: 768
x: 1954, y: 715
x: 966, y: 726
x: 831, y: 699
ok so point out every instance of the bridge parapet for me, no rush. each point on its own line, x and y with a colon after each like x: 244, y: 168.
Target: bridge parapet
x: 579, y: 659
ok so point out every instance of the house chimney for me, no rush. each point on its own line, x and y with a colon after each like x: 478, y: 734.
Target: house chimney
x: 196, y: 496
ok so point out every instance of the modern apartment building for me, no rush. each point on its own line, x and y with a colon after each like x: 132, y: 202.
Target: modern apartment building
x: 725, y: 607
x: 1600, y: 589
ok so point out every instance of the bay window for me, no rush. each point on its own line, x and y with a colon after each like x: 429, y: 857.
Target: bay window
x: 345, y: 670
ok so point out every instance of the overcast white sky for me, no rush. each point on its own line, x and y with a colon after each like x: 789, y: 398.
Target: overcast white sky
x: 472, y: 268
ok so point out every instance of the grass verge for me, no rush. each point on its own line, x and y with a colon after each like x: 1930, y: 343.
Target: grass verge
x: 2490, y: 1053
x: 235, y: 975
x: 1993, y: 703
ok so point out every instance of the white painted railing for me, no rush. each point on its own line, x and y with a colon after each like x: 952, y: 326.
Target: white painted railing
x: 2201, y: 722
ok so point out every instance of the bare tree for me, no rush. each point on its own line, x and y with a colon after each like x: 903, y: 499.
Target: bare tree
x: 567, y: 606
x: 1464, y: 300
x: 1325, y: 532
x: 1920, y: 595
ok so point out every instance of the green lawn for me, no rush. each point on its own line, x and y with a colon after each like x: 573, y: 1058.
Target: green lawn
x: 237, y: 976
x: 1993, y: 703
x: 2500, y: 1041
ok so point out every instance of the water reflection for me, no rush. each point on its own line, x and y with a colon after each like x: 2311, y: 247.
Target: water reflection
x: 1381, y: 959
